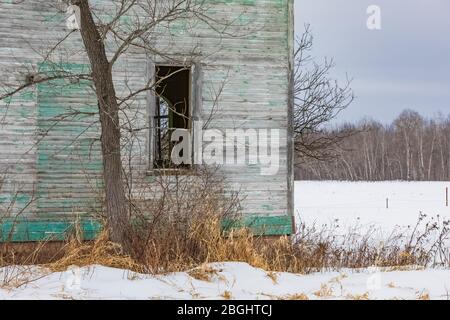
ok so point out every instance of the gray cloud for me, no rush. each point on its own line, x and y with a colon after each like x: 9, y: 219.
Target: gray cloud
x: 404, y: 65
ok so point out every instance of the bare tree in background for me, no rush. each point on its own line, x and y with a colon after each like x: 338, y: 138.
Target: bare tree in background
x: 411, y: 148
x: 146, y: 17
x: 318, y: 99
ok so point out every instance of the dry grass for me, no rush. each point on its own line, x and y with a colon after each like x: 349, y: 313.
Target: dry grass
x: 273, y: 276
x: 227, y: 295
x: 203, y: 273
x: 30, y: 253
x: 298, y: 296
x: 101, y: 251
x: 423, y: 296
x: 364, y: 296
x: 205, y: 242
x: 182, y: 230
x: 324, y: 291
x: 12, y: 277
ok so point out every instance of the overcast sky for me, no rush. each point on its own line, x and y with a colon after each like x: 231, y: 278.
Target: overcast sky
x: 406, y: 64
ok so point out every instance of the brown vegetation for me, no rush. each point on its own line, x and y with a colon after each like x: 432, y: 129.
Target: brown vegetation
x: 311, y: 250
x: 181, y: 228
x: 411, y: 148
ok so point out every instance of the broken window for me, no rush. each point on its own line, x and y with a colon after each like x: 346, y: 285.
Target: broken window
x: 172, y: 112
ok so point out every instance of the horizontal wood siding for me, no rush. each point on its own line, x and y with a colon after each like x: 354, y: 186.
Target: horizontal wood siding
x: 69, y: 164
x: 57, y: 175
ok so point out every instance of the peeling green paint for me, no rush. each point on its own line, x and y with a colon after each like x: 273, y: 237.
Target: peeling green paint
x: 20, y: 199
x: 264, y: 226
x: 69, y: 163
x: 23, y: 230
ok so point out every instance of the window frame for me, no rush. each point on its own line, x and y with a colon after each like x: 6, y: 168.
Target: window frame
x: 158, y: 128
x: 195, y: 101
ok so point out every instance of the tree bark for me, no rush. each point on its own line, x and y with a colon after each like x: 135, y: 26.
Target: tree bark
x: 115, y: 199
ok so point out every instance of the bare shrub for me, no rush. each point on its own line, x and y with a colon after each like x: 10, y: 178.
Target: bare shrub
x: 318, y: 100
x: 311, y: 249
x: 181, y: 228
x: 426, y: 244
x: 175, y: 227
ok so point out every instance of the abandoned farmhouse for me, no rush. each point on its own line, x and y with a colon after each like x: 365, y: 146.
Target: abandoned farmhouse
x: 230, y: 71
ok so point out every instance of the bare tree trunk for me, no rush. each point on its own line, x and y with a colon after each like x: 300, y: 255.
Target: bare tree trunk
x: 407, y: 155
x: 115, y: 199
x: 430, y: 158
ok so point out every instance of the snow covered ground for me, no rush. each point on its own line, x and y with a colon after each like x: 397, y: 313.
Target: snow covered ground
x: 364, y: 203
x: 227, y: 281
x: 316, y: 202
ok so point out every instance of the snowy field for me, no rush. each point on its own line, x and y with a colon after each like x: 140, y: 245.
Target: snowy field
x: 227, y: 281
x: 364, y: 203
x: 332, y: 203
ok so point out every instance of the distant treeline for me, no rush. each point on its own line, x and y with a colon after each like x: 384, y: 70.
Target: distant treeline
x: 411, y: 148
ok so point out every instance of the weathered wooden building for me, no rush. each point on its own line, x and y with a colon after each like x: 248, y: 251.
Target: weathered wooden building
x: 50, y: 158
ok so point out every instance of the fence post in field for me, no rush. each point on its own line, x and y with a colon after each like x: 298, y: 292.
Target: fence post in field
x: 446, y: 196
x: 387, y: 203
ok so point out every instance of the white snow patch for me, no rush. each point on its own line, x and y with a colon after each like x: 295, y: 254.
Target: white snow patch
x: 240, y: 280
x: 350, y: 203
x: 364, y: 203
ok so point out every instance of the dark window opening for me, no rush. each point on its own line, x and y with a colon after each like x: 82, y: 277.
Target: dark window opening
x: 172, y: 111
